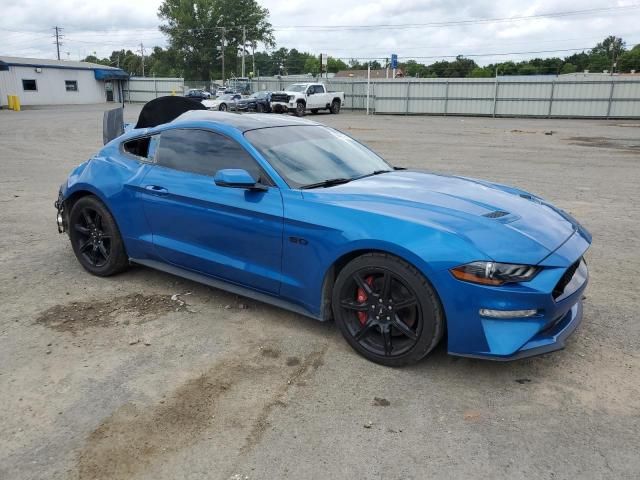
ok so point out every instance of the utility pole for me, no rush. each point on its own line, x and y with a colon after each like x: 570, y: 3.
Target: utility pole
x: 142, y: 54
x: 253, y: 58
x: 222, y: 52
x: 244, y: 42
x: 58, y: 35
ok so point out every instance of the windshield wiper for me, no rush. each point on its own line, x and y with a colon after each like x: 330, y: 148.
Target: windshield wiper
x: 375, y: 172
x: 327, y: 183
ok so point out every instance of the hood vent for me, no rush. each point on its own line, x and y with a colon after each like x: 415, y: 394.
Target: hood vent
x: 496, y: 214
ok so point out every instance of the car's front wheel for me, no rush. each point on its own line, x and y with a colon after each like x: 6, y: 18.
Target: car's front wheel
x: 300, y: 108
x: 95, y: 238
x: 223, y: 107
x: 387, y: 310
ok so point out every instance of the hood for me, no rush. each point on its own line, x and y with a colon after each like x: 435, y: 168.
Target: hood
x: 507, y: 224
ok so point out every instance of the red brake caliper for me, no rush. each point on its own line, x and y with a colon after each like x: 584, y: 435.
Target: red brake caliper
x: 361, y: 297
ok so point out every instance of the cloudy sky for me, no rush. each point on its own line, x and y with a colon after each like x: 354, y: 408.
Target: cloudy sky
x: 432, y: 29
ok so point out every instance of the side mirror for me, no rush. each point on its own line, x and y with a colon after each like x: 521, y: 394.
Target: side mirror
x: 237, y: 178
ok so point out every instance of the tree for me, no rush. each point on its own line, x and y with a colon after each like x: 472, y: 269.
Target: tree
x: 312, y: 66
x: 196, y: 29
x: 568, y: 68
x: 481, y: 72
x: 334, y: 65
x: 630, y: 60
x: 611, y: 47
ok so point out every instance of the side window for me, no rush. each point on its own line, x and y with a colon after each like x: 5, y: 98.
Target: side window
x: 29, y: 85
x: 142, y: 147
x: 319, y: 89
x: 71, y: 85
x: 204, y: 152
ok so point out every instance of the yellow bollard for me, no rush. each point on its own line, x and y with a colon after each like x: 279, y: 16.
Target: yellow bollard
x: 173, y: 92
x: 16, y: 103
x: 10, y: 102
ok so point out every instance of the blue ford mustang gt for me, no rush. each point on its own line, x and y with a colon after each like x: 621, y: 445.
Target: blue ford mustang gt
x: 300, y: 215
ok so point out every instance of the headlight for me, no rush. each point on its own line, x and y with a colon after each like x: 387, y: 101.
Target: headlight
x: 493, y: 273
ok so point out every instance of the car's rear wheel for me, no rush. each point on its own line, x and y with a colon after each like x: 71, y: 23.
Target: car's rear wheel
x: 259, y: 108
x: 335, y: 107
x: 387, y: 310
x: 95, y: 238
x: 300, y: 107
x: 223, y: 107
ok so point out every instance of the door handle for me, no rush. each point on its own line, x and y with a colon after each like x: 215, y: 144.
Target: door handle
x: 157, y: 190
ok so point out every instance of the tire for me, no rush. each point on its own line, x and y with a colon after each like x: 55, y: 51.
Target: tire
x: 95, y: 238
x: 300, y: 108
x: 335, y: 107
x: 259, y: 108
x: 314, y: 111
x: 223, y: 107
x: 392, y: 322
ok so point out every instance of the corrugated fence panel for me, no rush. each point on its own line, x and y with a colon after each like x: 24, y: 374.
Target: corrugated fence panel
x: 626, y: 90
x: 524, y: 90
x: 522, y: 107
x: 471, y: 90
x: 579, y: 108
x: 144, y: 89
x: 470, y: 107
x: 584, y: 90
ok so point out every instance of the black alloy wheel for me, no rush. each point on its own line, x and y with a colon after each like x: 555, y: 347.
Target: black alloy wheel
x: 387, y: 310
x: 223, y: 107
x: 300, y: 107
x: 335, y: 107
x: 95, y: 238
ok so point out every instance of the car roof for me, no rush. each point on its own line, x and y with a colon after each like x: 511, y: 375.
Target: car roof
x: 242, y: 121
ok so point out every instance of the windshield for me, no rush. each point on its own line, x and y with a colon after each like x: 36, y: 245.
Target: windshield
x: 296, y: 87
x: 227, y: 96
x: 306, y: 155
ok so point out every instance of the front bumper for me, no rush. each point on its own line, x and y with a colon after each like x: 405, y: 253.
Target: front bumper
x: 61, y: 214
x: 283, y: 106
x: 472, y: 335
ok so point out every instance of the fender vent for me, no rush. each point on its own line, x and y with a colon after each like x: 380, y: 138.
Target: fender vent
x: 496, y: 214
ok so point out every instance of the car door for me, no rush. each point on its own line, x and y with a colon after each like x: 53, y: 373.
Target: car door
x: 319, y: 100
x: 311, y: 97
x: 230, y: 233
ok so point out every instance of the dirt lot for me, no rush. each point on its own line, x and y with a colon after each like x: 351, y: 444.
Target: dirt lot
x: 148, y: 376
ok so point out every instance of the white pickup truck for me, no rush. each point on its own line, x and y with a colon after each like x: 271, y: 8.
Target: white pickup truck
x: 300, y: 97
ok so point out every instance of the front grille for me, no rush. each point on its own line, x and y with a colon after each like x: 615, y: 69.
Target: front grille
x: 565, y: 279
x: 279, y: 97
x: 496, y: 214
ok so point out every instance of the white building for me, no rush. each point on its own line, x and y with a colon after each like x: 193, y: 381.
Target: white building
x: 59, y: 82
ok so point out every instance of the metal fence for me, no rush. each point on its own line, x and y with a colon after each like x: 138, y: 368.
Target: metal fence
x: 143, y: 89
x: 601, y: 97
x: 615, y: 97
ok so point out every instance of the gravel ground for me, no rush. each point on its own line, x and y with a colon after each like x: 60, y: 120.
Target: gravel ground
x: 148, y: 376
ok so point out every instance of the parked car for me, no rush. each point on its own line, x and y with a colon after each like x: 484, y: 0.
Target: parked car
x: 198, y: 94
x: 300, y: 97
x: 300, y: 215
x: 223, y: 91
x: 223, y: 103
x: 256, y: 102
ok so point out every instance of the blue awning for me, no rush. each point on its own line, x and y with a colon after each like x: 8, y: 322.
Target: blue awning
x: 110, y: 74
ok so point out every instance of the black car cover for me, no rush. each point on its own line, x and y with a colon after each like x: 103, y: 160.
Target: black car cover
x: 165, y: 109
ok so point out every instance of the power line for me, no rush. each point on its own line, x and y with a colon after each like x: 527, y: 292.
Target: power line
x: 473, y: 21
